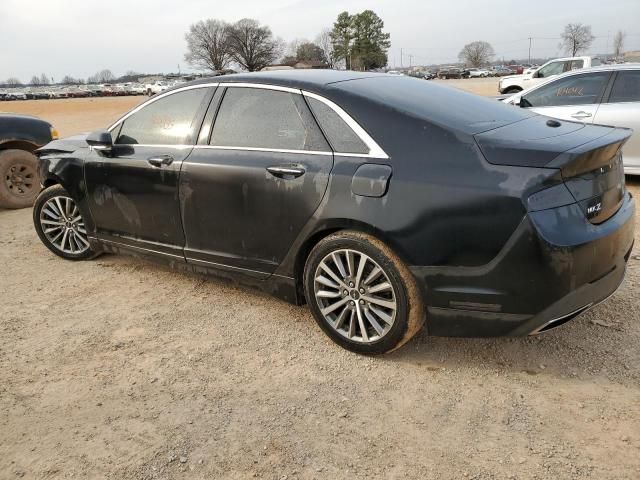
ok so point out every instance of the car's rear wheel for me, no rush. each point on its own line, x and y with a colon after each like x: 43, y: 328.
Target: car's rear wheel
x: 60, y: 225
x: 19, y: 181
x: 361, y: 294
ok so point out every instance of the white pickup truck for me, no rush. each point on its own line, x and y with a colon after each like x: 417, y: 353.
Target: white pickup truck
x: 517, y: 83
x: 155, y: 87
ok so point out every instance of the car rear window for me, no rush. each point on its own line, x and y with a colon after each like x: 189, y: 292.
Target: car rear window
x: 626, y: 87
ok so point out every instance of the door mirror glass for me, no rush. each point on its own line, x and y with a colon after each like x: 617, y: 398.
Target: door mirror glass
x: 100, y: 140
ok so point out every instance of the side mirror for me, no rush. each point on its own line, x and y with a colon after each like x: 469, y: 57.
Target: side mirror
x: 100, y: 140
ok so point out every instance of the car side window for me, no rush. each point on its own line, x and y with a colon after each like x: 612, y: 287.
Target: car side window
x: 626, y: 87
x: 265, y: 118
x: 573, y: 90
x: 170, y: 120
x: 550, y: 70
x: 342, y: 138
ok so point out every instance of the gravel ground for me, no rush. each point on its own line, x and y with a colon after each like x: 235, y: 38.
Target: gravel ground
x: 115, y: 368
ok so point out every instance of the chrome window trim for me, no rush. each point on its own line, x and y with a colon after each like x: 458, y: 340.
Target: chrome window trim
x: 161, y: 145
x: 374, y: 149
x: 261, y: 149
x: 263, y: 86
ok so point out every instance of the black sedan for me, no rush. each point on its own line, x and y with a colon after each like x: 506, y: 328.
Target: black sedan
x: 382, y: 201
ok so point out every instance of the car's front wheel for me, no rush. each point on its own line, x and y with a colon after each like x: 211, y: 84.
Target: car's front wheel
x: 60, y: 225
x: 361, y: 294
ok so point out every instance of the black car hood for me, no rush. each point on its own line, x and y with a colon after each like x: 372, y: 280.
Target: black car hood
x: 67, y: 144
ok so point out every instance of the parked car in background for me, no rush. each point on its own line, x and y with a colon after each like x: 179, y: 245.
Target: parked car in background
x: 478, y: 73
x: 517, y: 83
x: 342, y: 200
x: 607, y: 95
x: 20, y: 136
x: 447, y: 73
x: 155, y: 88
x: 499, y: 71
x: 137, y: 89
x: 517, y: 69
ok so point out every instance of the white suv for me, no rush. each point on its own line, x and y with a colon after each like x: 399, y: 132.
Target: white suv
x: 517, y: 83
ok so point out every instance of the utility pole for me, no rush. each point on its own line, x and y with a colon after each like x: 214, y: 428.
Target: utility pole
x: 401, y: 58
x: 530, y: 50
x: 410, y: 60
x: 607, y: 51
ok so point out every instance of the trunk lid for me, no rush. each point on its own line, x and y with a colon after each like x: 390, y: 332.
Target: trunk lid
x: 589, y: 158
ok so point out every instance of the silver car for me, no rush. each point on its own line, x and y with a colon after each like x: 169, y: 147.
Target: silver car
x: 606, y: 95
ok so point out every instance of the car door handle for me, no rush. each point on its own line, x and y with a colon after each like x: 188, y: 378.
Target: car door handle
x: 282, y: 171
x: 160, y: 160
x: 581, y: 114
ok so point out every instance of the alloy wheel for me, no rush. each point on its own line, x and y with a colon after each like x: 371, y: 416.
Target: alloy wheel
x: 62, y: 224
x: 355, y: 296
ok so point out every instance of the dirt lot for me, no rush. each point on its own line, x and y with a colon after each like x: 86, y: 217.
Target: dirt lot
x: 115, y: 368
x: 75, y: 115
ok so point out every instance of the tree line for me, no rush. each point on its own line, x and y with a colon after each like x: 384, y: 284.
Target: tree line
x: 356, y: 41
x: 576, y: 38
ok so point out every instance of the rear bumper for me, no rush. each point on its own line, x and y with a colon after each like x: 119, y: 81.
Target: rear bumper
x: 555, y: 266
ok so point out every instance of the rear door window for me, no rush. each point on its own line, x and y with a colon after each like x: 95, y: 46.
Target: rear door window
x: 169, y: 120
x: 264, y: 118
x: 573, y: 90
x: 626, y: 87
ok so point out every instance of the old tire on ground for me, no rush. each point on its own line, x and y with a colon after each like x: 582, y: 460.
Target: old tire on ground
x: 60, y: 224
x: 19, y: 181
x: 361, y: 294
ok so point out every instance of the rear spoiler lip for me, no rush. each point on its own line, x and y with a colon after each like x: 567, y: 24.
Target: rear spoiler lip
x: 613, y: 141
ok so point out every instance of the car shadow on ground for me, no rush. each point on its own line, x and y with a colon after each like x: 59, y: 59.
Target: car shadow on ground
x: 602, y: 342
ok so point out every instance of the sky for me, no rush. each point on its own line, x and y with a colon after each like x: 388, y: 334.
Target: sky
x: 81, y: 37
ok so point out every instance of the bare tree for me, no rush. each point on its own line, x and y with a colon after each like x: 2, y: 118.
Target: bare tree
x: 618, y: 43
x: 13, y: 82
x: 69, y: 80
x: 35, y: 81
x: 253, y: 46
x: 576, y: 38
x: 323, y: 40
x: 293, y: 45
x: 476, y: 54
x: 103, y: 76
x: 208, y: 45
x: 44, y: 80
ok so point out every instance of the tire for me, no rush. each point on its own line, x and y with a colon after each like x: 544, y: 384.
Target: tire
x: 386, y: 328
x: 60, y: 224
x: 19, y: 180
